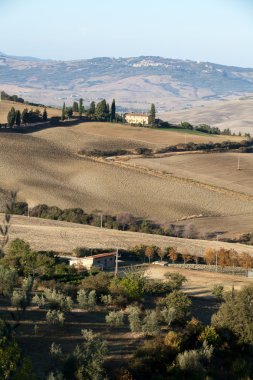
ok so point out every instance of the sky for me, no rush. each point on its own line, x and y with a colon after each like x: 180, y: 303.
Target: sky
x: 219, y: 31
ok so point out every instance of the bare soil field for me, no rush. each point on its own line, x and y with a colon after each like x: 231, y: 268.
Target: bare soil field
x: 45, y: 172
x: 5, y: 107
x: 44, y: 167
x: 200, y: 283
x: 63, y: 237
x: 218, y: 169
x: 106, y: 136
x: 235, y: 114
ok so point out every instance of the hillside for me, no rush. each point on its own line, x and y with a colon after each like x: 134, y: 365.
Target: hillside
x: 135, y: 82
x: 5, y: 107
x: 45, y: 168
x: 236, y: 114
x: 64, y: 237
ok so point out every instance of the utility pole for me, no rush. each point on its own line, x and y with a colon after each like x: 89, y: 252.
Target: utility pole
x: 116, y: 262
x: 101, y: 221
x: 238, y: 163
x: 216, y: 256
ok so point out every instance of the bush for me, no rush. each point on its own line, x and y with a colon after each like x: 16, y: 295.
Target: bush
x: 58, y: 301
x: 178, y: 301
x: 8, y: 279
x: 115, y: 318
x: 190, y: 361
x: 55, y: 317
x: 85, y: 299
x: 235, y: 315
x: 150, y: 323
x: 134, y: 319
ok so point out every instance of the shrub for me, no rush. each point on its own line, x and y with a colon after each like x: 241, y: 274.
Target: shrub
x: 190, y: 361
x: 134, y: 319
x: 150, y: 323
x: 58, y: 301
x: 55, y: 317
x: 106, y: 299
x: 235, y: 315
x: 115, y: 318
x: 210, y: 336
x: 180, y: 303
x: 8, y: 279
x: 86, y: 299
x: 217, y: 291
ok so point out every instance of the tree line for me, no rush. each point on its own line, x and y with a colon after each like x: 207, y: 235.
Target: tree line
x: 101, y: 111
x: 15, y: 117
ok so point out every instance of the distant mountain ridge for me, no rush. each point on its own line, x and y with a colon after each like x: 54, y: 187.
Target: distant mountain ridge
x: 135, y: 82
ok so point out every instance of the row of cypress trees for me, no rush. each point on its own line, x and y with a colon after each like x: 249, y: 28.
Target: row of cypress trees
x: 15, y: 117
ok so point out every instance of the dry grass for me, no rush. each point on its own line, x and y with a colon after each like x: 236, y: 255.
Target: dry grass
x: 217, y: 169
x: 45, y: 168
x: 5, y: 107
x: 64, y: 237
x: 109, y: 136
x: 200, y: 283
x: 235, y: 114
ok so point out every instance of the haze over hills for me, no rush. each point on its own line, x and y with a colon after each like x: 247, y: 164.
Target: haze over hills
x: 135, y: 82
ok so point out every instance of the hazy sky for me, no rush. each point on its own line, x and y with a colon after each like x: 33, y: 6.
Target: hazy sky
x: 218, y: 31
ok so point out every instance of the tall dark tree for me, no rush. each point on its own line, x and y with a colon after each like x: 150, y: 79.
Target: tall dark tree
x: 44, y: 115
x: 92, y: 108
x: 75, y: 107
x: 152, y: 110
x: 102, y: 110
x: 81, y: 108
x: 18, y: 118
x: 69, y: 112
x: 24, y: 116
x: 11, y: 117
x: 113, y: 110
x: 63, y: 112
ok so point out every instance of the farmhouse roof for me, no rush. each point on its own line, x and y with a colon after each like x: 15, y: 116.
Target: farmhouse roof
x: 102, y: 255
x: 137, y: 114
x: 99, y: 255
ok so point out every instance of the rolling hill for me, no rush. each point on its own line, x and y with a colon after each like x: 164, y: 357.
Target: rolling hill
x: 135, y: 82
x: 45, y: 168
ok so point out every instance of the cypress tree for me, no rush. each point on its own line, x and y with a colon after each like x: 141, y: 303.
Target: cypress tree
x: 75, y: 107
x: 44, y: 115
x: 102, y: 110
x: 113, y: 110
x: 92, y: 108
x: 81, y: 109
x: 152, y: 110
x: 63, y: 112
x: 24, y: 116
x: 18, y: 118
x: 11, y: 117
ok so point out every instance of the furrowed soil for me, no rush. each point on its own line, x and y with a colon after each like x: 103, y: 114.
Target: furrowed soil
x: 45, y: 168
x: 43, y: 234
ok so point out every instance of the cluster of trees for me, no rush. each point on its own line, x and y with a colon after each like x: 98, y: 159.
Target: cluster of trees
x: 123, y: 221
x: 15, y: 117
x: 217, y: 147
x: 12, y: 98
x: 205, y: 128
x: 228, y: 258
x: 176, y: 344
x: 222, y: 257
x: 101, y: 111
